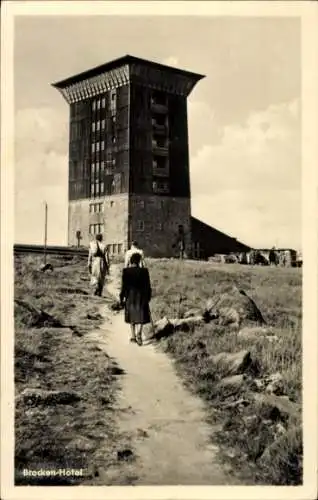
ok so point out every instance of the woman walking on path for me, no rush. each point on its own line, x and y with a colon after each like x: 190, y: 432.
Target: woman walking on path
x: 135, y: 295
x: 98, y: 264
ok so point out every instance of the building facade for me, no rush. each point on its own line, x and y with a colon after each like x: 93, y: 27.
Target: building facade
x: 128, y: 155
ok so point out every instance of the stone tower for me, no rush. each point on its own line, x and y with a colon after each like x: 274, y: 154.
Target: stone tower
x: 128, y: 155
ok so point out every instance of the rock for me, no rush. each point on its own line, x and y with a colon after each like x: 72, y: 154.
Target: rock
x: 142, y: 433
x: 232, y: 363
x: 228, y: 316
x: 285, y: 454
x: 236, y: 404
x: 94, y: 317
x: 30, y: 316
x: 233, y: 299
x: 272, y: 338
x: 192, y: 312
x: 46, y: 267
x: 274, y: 384
x: 232, y: 383
x: 276, y: 407
x: 162, y: 328
x: 82, y: 444
x: 125, y: 454
x: 255, y: 332
x: 185, y: 325
x: 40, y: 396
x: 229, y: 386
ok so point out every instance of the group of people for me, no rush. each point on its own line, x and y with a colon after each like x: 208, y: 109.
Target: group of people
x: 135, y: 292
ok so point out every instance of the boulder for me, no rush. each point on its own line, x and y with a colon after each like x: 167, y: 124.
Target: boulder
x: 284, y: 455
x: 228, y: 316
x: 35, y: 397
x: 223, y: 305
x: 185, y: 324
x: 276, y: 407
x: 232, y: 363
x: 232, y: 384
x: 162, y: 328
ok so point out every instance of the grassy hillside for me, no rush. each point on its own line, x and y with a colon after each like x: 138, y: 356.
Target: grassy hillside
x: 180, y: 286
x: 78, y: 434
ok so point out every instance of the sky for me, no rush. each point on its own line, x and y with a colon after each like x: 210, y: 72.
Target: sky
x: 244, y: 116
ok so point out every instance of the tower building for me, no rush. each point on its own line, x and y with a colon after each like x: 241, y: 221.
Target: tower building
x: 128, y: 155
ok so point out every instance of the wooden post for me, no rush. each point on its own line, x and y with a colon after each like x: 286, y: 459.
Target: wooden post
x: 45, y: 230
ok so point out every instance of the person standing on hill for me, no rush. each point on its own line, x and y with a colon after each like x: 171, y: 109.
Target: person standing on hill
x: 98, y: 264
x: 134, y: 249
x: 135, y: 296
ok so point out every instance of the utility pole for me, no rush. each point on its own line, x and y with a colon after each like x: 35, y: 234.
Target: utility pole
x: 45, y: 230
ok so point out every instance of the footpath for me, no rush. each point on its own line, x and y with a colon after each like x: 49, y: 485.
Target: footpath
x: 171, y: 442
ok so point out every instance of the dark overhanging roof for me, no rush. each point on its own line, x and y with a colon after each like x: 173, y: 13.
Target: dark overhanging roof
x: 127, y: 59
x: 207, y: 227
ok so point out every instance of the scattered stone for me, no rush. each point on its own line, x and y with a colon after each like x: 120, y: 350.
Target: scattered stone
x: 275, y: 384
x: 255, y: 332
x: 40, y: 396
x: 115, y: 370
x: 185, y: 325
x: 235, y: 404
x: 81, y: 443
x: 33, y: 317
x: 233, y: 383
x: 125, y: 454
x: 232, y: 363
x: 162, y: 328
x: 46, y: 267
x: 40, y: 366
x: 142, y: 433
x: 192, y: 312
x: 94, y: 317
x: 272, y: 338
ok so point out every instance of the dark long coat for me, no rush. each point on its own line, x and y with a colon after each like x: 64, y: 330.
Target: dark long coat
x: 136, y: 294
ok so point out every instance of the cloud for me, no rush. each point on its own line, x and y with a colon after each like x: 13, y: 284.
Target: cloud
x: 41, y: 169
x: 248, y: 184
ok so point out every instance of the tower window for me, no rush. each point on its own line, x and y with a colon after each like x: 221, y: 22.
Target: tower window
x: 160, y: 187
x: 98, y: 104
x: 94, y: 105
x: 93, y: 147
x: 98, y: 125
x: 103, y: 102
x: 140, y: 225
x: 103, y: 124
x: 93, y: 126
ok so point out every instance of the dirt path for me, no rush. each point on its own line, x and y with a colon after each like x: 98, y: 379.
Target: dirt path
x: 171, y: 440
